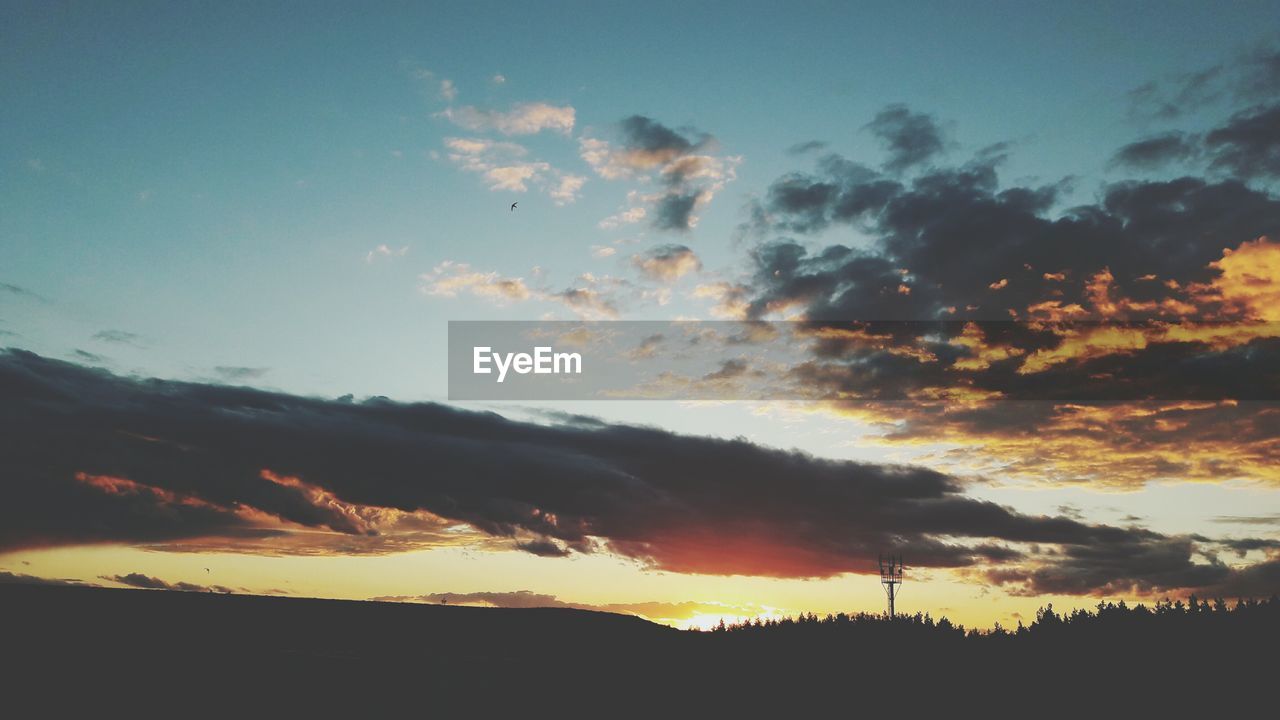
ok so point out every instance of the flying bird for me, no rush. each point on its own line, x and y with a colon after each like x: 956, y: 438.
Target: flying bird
x: 513, y: 205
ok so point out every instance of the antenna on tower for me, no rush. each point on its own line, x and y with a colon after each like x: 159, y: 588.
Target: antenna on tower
x: 891, y: 568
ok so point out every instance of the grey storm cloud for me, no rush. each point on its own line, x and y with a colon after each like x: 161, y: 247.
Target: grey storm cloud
x: 649, y: 135
x: 956, y: 231
x: 676, y: 502
x: 681, y: 162
x: 1157, y: 151
x: 674, y: 210
x: 911, y: 139
x: 1246, y: 146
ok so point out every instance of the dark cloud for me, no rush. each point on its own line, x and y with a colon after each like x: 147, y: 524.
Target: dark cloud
x: 1241, y: 546
x: 911, y: 139
x: 530, y: 599
x: 956, y: 233
x: 1257, y: 580
x: 1129, y: 566
x: 953, y: 250
x: 147, y: 582
x: 94, y: 457
x: 1156, y: 151
x: 87, y: 356
x: 1248, y: 145
x: 674, y: 210
x: 543, y: 548
x: 648, y: 135
x: 1248, y: 519
x: 8, y: 578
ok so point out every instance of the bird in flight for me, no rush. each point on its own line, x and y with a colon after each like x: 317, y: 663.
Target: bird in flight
x: 513, y: 205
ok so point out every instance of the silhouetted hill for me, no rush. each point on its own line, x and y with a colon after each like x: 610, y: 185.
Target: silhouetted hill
x: 163, y: 651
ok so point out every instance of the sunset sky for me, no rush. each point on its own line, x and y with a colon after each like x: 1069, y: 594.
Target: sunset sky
x: 1037, y: 246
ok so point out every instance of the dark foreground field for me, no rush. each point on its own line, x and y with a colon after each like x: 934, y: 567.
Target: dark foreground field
x: 172, y: 653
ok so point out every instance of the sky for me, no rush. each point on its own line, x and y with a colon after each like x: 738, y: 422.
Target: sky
x: 272, y: 207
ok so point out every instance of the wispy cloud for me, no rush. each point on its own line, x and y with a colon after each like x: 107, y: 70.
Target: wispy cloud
x: 385, y: 251
x: 449, y: 279
x: 503, y: 167
x: 589, y: 296
x: 666, y: 263
x: 118, y: 337
x: 238, y: 373
x: 522, y: 119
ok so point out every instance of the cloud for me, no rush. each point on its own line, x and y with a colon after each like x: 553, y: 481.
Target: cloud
x: 521, y: 119
x: 118, y: 337
x: 448, y: 92
x: 956, y: 231
x: 683, y: 163
x: 1251, y: 77
x: 731, y: 300
x: 674, y: 211
x: 154, y: 461
x: 1248, y: 519
x: 1248, y: 145
x: 911, y: 139
x: 1178, y: 95
x: 503, y: 167
x: 1162, y: 290
x: 566, y: 189
x: 589, y: 297
x: 21, y: 292
x: 384, y: 250
x: 147, y: 582
x: 671, y: 612
x: 448, y: 279
x: 806, y: 147
x: 8, y: 578
x: 237, y: 373
x: 667, y: 263
x: 590, y: 300
x: 627, y: 217
x: 1156, y: 151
